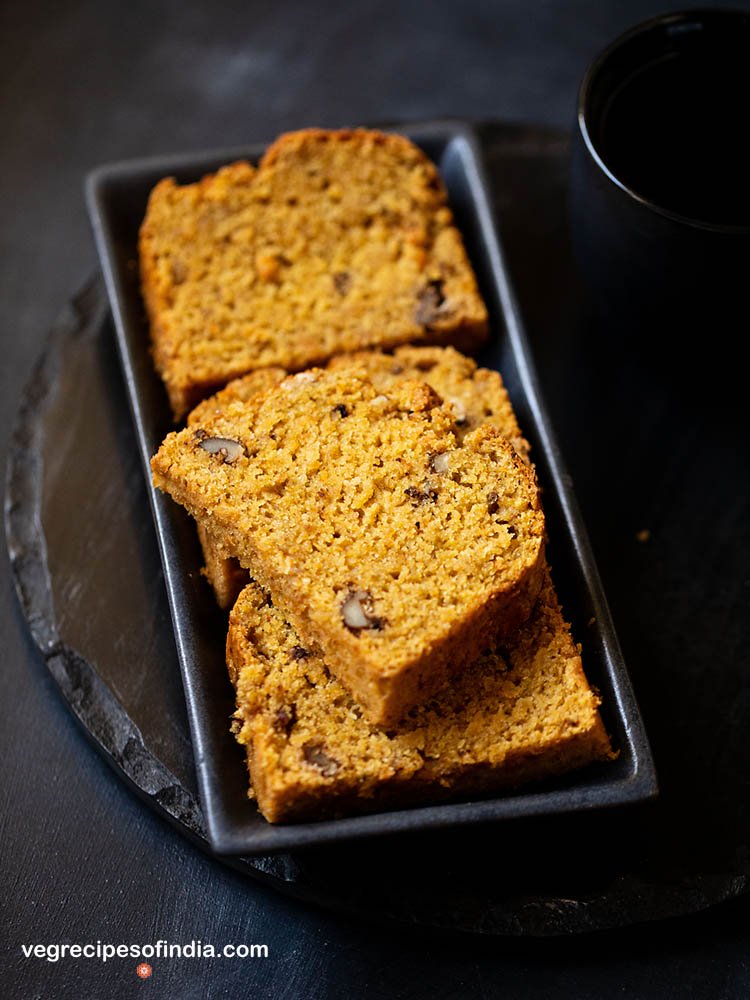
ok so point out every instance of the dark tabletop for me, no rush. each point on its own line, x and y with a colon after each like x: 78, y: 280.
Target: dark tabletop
x: 81, y: 858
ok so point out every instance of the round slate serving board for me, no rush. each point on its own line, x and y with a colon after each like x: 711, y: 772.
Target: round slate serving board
x: 657, y: 448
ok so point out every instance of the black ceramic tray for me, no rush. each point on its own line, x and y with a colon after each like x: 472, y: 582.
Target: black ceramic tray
x: 117, y: 196
x: 77, y: 505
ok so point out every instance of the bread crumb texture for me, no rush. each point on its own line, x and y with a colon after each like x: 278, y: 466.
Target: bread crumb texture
x: 393, y: 548
x: 520, y: 712
x: 338, y: 241
x: 476, y: 395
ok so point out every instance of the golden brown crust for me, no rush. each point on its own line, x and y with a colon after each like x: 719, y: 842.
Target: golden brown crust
x: 337, y: 242
x: 521, y: 713
x: 224, y: 574
x: 334, y: 490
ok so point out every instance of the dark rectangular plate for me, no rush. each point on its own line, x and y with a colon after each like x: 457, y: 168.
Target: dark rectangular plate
x: 116, y: 196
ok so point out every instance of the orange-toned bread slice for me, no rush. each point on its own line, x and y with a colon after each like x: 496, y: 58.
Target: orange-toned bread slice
x: 517, y: 714
x: 395, y: 550
x: 477, y: 396
x: 338, y: 241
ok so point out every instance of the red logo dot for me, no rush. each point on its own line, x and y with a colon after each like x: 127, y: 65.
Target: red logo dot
x: 144, y: 970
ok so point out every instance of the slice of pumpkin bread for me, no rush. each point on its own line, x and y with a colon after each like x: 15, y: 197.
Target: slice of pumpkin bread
x: 477, y: 395
x: 516, y: 714
x: 397, y: 552
x: 339, y: 240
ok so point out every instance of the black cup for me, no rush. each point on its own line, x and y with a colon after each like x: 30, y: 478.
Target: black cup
x: 660, y: 176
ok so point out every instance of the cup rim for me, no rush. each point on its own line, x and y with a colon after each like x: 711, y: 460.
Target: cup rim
x: 584, y: 92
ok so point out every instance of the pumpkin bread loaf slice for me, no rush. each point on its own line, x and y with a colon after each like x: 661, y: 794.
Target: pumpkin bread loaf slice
x: 477, y: 396
x: 519, y: 713
x: 338, y: 241
x: 397, y: 552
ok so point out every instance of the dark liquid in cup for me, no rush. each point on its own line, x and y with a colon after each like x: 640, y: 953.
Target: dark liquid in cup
x: 677, y: 132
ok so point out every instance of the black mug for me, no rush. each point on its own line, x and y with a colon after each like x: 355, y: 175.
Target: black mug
x: 660, y: 177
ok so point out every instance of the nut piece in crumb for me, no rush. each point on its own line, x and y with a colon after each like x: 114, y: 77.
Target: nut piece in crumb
x: 427, y: 495
x: 316, y: 756
x: 342, y: 282
x: 179, y: 271
x: 430, y: 303
x: 357, y: 611
x: 229, y: 449
x: 459, y: 412
x: 439, y: 463
x: 299, y: 653
x: 492, y: 502
x: 284, y: 719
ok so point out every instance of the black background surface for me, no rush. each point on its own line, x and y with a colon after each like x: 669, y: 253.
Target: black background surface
x: 81, y: 858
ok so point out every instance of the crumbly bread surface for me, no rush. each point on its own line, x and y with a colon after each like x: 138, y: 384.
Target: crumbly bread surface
x: 397, y: 552
x: 520, y: 713
x: 477, y: 396
x: 338, y: 241
x: 239, y: 389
